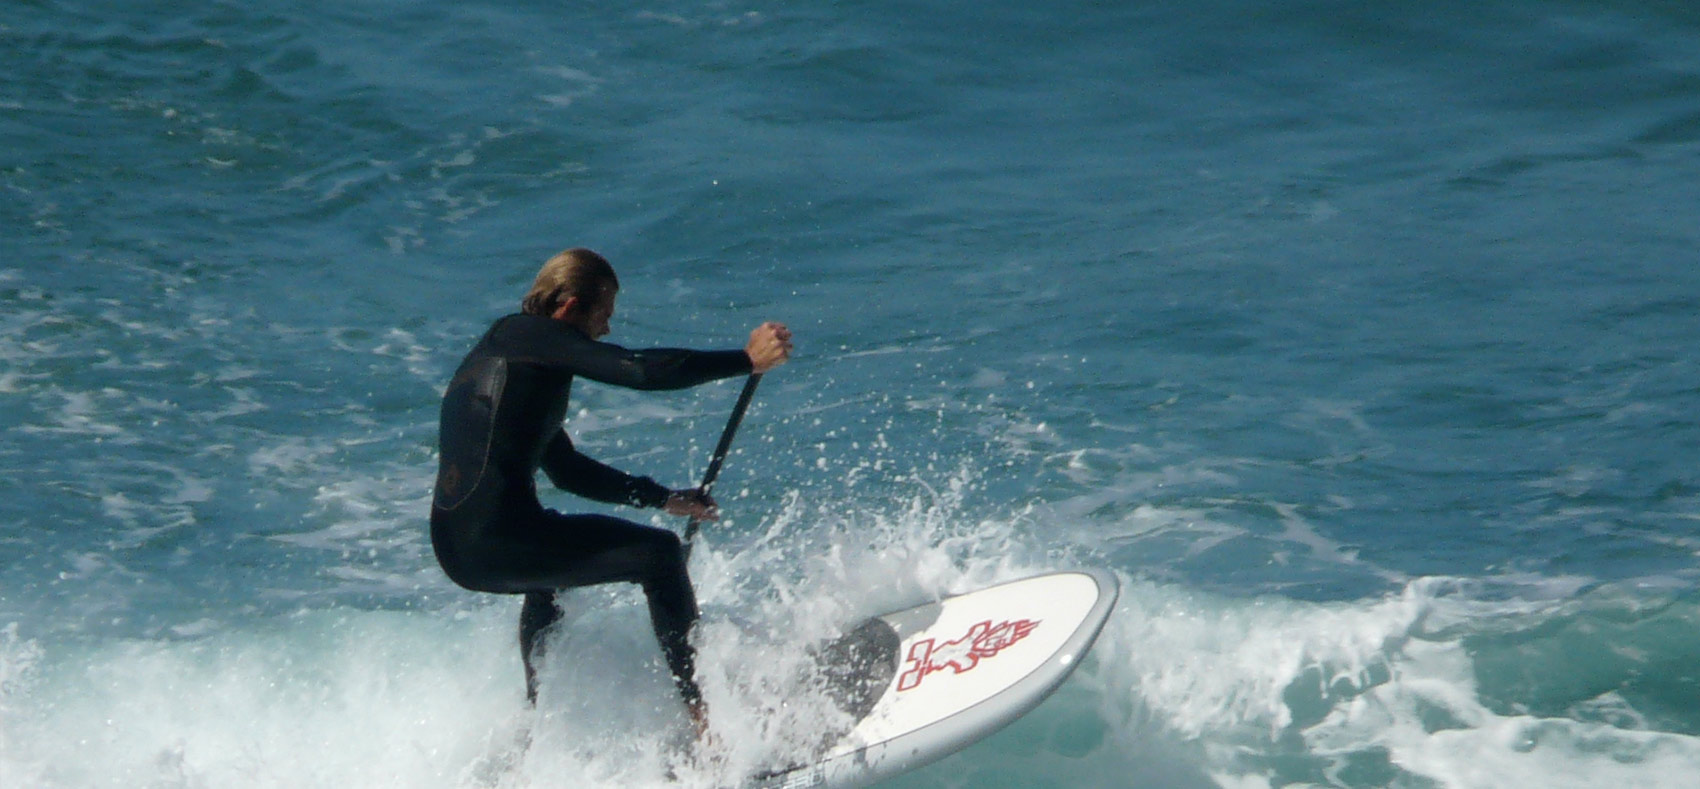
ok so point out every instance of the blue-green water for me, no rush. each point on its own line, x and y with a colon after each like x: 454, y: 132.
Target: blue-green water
x: 1357, y: 337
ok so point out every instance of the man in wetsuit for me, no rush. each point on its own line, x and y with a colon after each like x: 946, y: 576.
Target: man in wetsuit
x: 502, y: 421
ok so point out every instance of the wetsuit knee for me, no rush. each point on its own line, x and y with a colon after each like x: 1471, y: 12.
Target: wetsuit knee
x: 669, y: 549
x: 666, y: 561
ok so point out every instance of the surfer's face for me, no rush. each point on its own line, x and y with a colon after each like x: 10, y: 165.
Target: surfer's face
x: 592, y: 319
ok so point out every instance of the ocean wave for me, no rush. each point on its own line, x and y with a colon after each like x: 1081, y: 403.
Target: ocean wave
x: 1454, y: 682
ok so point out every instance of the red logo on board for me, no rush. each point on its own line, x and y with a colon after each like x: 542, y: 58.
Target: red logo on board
x: 962, y: 655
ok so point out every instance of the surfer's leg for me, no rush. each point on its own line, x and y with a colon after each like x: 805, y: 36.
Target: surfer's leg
x: 655, y: 559
x: 538, y: 613
x: 565, y: 551
x: 673, y: 612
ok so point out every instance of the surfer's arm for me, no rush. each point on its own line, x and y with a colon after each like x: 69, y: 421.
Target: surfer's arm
x: 659, y: 368
x: 677, y: 368
x: 554, y: 343
x: 574, y: 472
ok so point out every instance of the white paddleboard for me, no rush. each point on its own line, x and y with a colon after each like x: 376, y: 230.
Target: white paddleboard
x: 928, y: 681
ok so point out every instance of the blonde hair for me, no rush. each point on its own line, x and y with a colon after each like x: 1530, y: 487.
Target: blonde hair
x: 577, y: 272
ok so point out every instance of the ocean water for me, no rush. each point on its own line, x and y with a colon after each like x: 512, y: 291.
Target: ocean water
x: 1357, y: 338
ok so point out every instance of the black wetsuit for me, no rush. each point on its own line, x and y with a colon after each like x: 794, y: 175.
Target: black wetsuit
x: 501, y: 422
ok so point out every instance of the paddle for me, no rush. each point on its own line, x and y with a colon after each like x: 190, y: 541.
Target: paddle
x: 720, y: 451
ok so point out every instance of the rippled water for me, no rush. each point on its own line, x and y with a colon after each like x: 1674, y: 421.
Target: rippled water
x: 1355, y: 338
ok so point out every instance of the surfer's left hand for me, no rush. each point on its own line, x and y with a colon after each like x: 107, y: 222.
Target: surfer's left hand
x: 692, y: 503
x: 769, y: 346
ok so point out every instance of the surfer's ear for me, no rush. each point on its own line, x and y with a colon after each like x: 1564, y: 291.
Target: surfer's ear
x: 566, y: 308
x: 578, y: 271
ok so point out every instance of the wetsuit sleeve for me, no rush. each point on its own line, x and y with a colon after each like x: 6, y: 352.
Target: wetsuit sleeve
x: 574, y: 472
x: 553, y: 343
x: 668, y: 368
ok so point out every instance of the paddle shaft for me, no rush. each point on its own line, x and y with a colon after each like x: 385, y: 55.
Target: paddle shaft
x: 720, y: 450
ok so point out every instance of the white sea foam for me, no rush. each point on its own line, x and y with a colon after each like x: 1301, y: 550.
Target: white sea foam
x: 434, y: 698
x: 1184, y: 689
x: 325, y: 699
x: 18, y: 659
x: 1389, y: 682
x: 1477, y: 747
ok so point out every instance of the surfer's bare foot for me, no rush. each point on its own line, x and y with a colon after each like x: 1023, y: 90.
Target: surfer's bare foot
x: 709, y: 753
x: 699, y: 719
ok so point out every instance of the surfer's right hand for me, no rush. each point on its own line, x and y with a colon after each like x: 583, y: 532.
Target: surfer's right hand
x: 692, y: 503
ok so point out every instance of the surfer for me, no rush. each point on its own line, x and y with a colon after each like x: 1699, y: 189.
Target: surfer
x: 502, y: 418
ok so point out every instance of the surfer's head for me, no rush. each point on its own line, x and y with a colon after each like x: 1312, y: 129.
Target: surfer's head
x: 577, y: 286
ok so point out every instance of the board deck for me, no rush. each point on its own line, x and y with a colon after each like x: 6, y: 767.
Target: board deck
x: 927, y: 681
